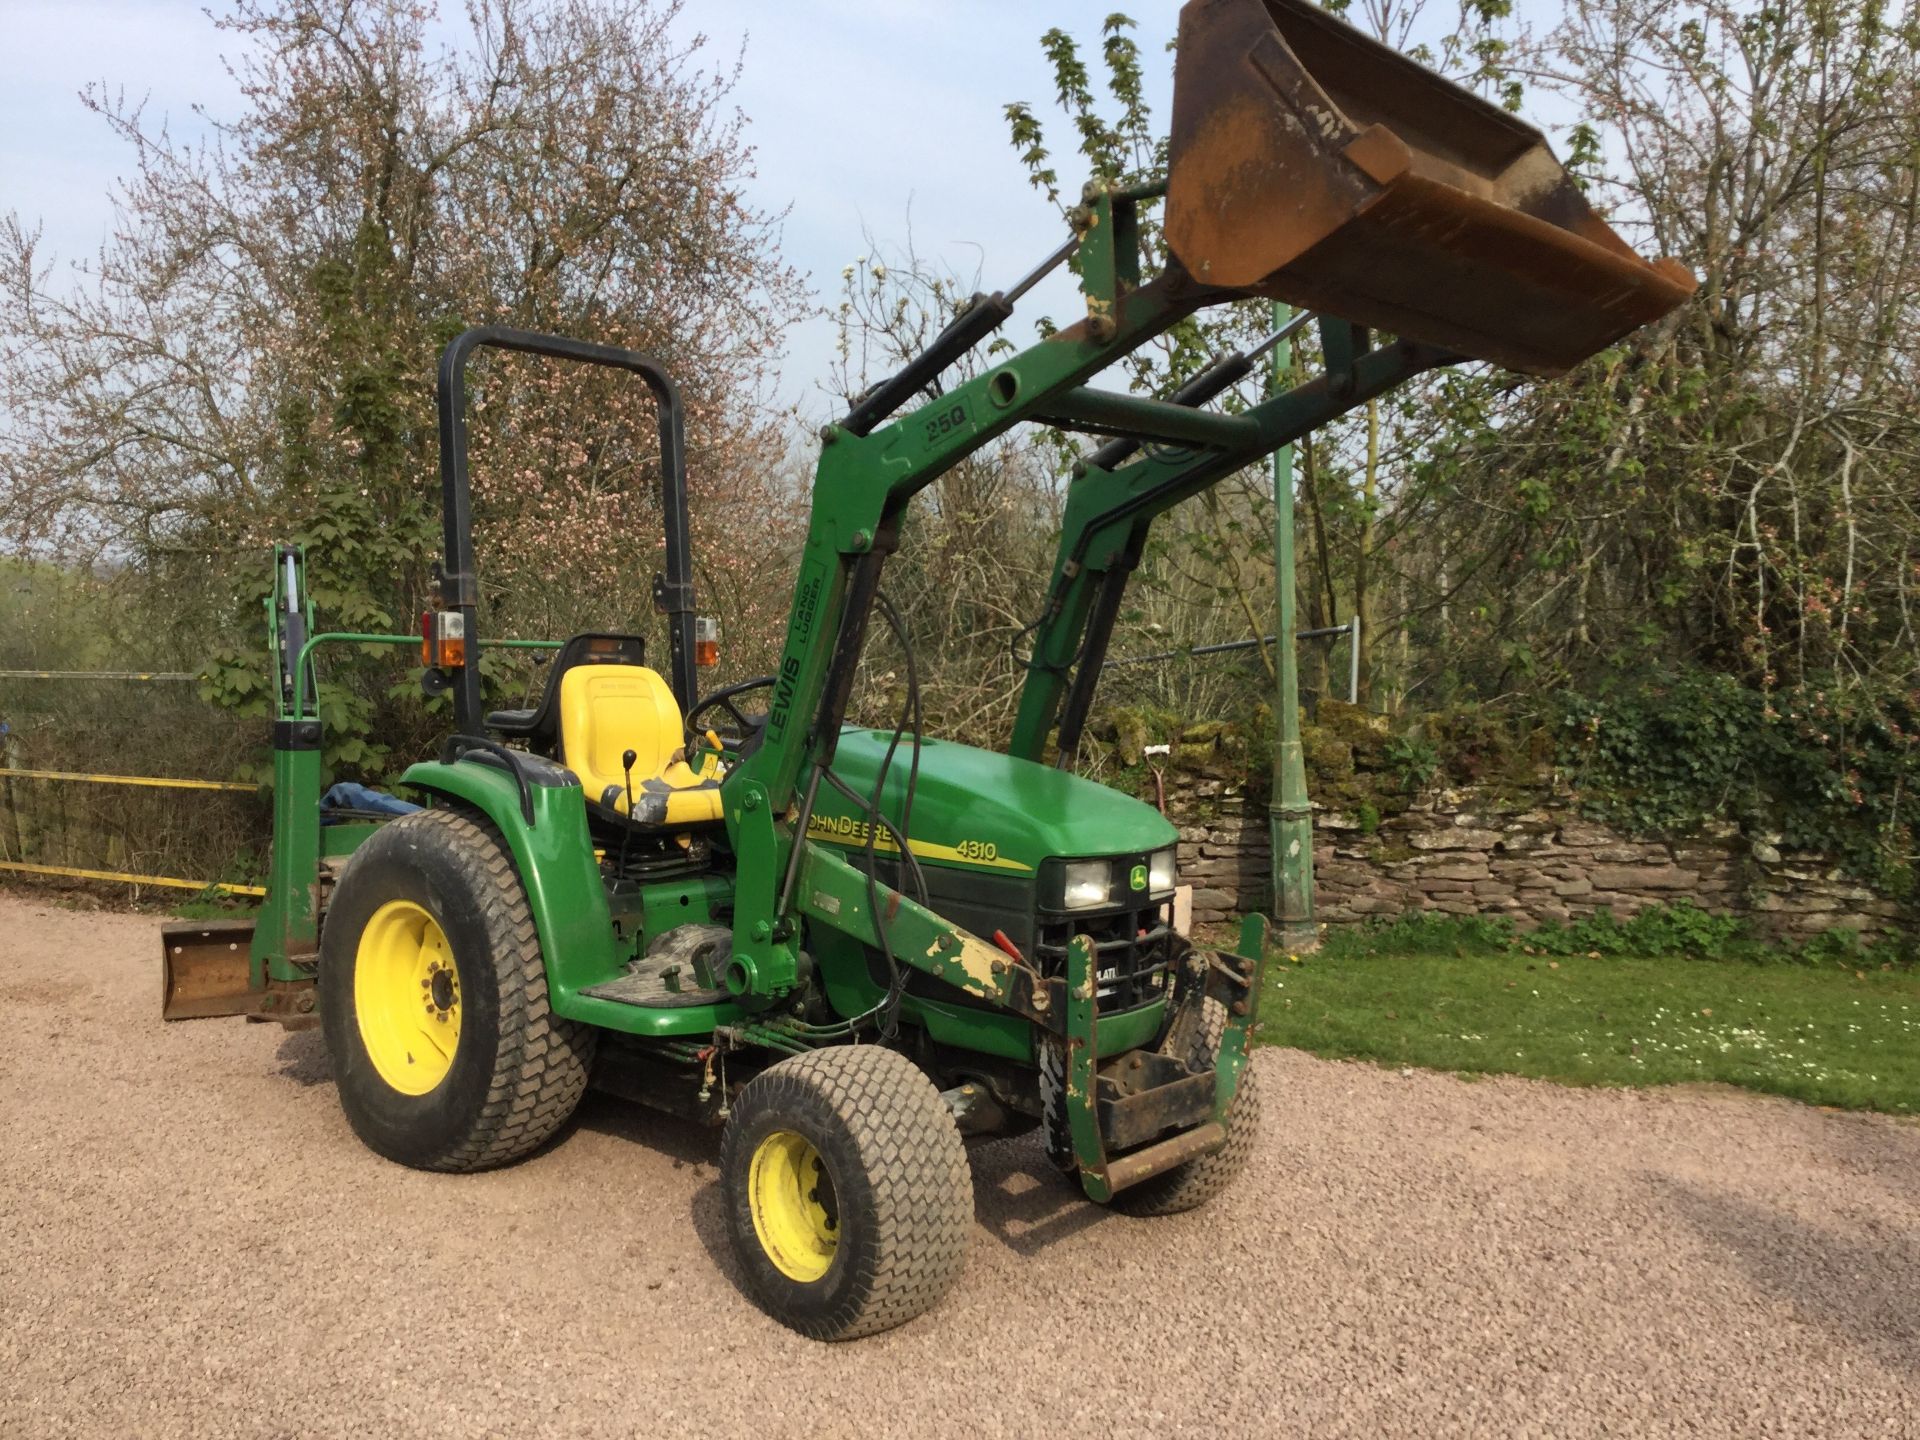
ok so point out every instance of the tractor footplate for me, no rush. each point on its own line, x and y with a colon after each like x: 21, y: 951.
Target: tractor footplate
x: 654, y: 988
x: 683, y: 968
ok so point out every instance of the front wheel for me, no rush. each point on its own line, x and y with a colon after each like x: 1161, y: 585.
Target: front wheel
x: 433, y: 996
x: 848, y: 1194
x: 1188, y: 1186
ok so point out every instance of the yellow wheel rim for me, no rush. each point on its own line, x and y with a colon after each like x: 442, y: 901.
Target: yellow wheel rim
x: 406, y: 995
x: 794, y: 1210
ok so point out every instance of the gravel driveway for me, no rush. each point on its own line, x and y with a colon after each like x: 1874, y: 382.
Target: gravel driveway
x: 192, y: 1243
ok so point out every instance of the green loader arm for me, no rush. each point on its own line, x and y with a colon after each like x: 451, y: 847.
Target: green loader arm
x: 865, y: 482
x: 1110, y: 509
x: 1307, y: 163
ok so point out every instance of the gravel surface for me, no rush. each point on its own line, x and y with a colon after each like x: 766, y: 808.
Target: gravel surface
x: 193, y: 1243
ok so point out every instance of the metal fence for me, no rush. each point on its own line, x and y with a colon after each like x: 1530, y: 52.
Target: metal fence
x: 79, y: 823
x: 1351, y: 630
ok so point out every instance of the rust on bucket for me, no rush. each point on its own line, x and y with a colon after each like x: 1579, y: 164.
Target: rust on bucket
x: 1311, y: 164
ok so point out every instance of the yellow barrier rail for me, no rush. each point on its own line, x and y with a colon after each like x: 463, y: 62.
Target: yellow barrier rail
x: 98, y: 675
x: 171, y: 881
x: 155, y: 781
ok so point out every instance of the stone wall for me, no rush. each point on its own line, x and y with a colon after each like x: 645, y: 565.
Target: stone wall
x: 1519, y: 850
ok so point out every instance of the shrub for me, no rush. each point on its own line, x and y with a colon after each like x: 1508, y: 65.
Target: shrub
x: 1831, y: 771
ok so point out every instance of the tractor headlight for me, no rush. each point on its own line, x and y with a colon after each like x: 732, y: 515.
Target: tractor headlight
x: 1160, y: 873
x: 1086, y: 884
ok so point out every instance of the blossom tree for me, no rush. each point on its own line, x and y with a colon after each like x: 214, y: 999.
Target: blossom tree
x: 249, y: 357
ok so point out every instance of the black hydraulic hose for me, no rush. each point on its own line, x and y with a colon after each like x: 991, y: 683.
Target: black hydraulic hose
x: 1093, y: 652
x: 899, y: 628
x: 896, y: 978
x: 800, y: 825
x: 984, y: 314
x: 874, y: 806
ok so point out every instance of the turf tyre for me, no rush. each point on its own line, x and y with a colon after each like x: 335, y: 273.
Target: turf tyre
x: 1188, y: 1186
x: 518, y: 1070
x: 903, y: 1189
x: 1056, y: 1139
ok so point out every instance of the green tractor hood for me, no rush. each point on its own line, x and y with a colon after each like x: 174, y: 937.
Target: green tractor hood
x: 983, y: 811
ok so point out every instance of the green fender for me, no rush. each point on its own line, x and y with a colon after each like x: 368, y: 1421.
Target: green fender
x: 554, y: 856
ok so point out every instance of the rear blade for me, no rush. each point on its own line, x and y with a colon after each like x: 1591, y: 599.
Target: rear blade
x: 206, y: 970
x: 1311, y: 164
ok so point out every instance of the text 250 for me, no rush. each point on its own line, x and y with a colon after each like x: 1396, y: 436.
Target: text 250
x: 950, y: 419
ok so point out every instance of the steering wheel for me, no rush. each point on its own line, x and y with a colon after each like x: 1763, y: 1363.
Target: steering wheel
x: 747, y: 734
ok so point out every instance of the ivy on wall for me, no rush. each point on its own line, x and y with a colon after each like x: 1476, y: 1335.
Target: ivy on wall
x: 1808, y: 770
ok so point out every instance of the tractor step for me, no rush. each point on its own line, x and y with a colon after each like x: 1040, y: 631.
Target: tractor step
x: 683, y: 968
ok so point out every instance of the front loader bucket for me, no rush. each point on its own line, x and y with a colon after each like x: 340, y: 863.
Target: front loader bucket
x: 205, y: 969
x: 1311, y: 164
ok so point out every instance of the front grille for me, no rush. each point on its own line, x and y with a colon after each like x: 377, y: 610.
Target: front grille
x: 1134, y: 947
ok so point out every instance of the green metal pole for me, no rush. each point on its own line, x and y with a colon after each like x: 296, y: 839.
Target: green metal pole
x: 1289, y: 813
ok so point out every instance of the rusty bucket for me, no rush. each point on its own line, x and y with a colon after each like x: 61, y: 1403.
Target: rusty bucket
x: 1314, y: 165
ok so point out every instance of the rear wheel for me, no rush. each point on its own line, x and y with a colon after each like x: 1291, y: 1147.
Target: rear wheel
x: 433, y: 996
x: 849, y: 1199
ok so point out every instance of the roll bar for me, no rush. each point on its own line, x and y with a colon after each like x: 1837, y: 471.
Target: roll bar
x: 457, y: 576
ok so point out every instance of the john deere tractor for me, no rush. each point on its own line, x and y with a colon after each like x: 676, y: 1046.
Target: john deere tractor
x: 854, y: 947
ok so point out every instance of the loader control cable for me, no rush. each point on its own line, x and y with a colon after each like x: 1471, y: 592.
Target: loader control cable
x: 912, y: 718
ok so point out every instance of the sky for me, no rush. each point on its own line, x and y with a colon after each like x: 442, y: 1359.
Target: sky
x: 865, y: 118
x: 885, y: 119
x: 881, y: 119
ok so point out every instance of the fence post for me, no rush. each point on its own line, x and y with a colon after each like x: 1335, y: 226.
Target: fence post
x: 7, y: 757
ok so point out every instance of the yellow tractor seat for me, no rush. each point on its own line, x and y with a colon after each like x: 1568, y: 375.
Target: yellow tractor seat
x: 606, y: 710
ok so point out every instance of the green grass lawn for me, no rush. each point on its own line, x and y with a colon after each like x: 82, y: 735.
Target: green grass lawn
x: 1827, y: 1035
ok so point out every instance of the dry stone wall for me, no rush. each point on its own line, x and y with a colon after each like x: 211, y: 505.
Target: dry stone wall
x: 1522, y: 851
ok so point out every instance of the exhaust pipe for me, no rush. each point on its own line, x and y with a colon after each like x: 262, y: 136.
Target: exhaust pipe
x: 1311, y: 164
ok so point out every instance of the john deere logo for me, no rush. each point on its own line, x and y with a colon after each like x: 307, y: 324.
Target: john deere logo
x: 1138, y: 879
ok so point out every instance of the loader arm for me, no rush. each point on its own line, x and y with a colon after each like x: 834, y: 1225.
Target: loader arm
x: 862, y: 487
x: 864, y: 484
x: 1308, y: 163
x: 1109, y: 512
